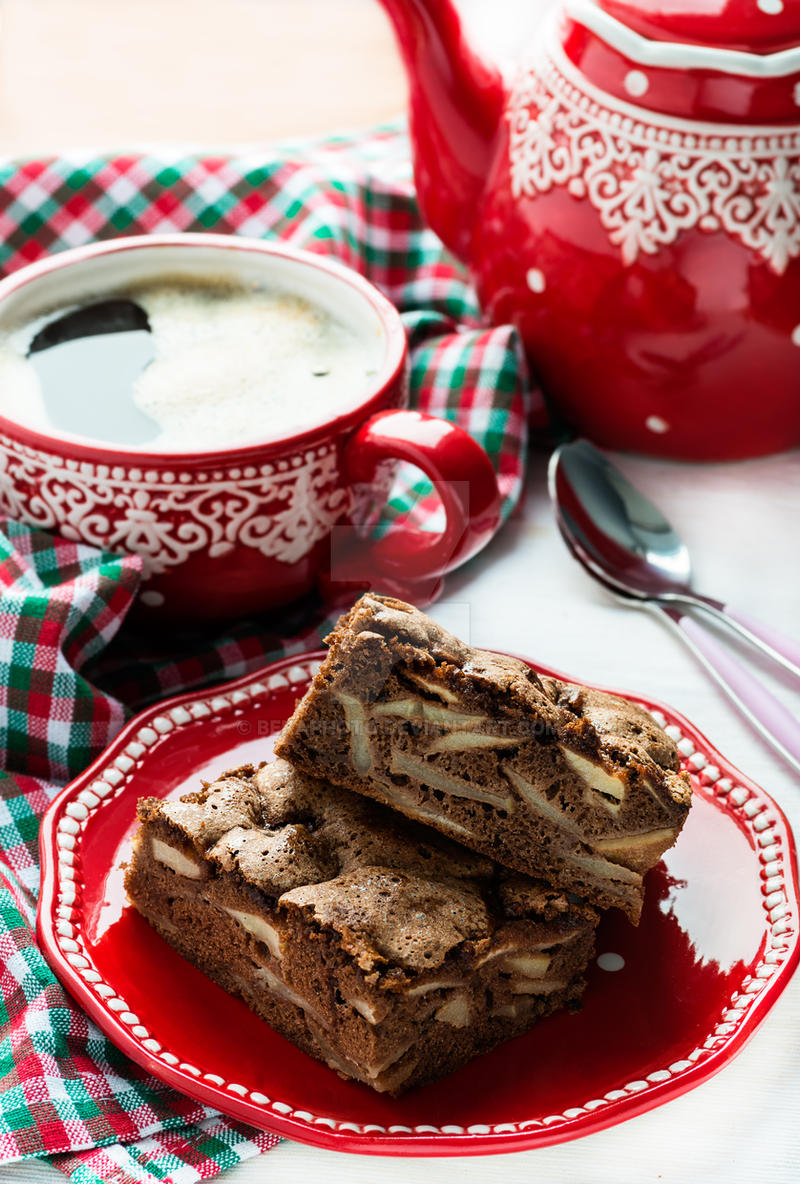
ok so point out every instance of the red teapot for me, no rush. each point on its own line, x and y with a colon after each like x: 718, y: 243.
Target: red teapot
x: 632, y: 203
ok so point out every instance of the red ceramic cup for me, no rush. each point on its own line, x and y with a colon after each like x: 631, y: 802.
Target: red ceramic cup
x: 239, y: 530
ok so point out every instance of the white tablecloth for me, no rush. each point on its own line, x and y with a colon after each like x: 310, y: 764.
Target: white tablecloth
x: 525, y: 594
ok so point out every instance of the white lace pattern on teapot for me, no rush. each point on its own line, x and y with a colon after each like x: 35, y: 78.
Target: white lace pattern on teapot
x: 651, y: 177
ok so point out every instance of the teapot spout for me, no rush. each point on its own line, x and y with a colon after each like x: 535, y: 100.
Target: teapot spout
x: 456, y: 103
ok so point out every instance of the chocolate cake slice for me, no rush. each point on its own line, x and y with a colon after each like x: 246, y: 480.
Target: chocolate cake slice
x: 580, y: 788
x: 375, y: 945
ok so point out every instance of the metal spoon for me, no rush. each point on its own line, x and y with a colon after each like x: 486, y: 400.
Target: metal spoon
x: 627, y: 541
x: 766, y: 713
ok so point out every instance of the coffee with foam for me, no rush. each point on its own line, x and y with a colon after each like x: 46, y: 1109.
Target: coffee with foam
x: 180, y: 366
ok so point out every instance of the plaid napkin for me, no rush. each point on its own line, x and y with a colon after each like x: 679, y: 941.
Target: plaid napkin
x: 71, y: 672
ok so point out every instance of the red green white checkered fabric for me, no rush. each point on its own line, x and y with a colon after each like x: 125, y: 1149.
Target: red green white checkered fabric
x: 70, y: 672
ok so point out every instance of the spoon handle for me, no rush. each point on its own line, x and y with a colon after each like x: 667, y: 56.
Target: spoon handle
x: 781, y: 649
x: 785, y: 647
x: 767, y: 714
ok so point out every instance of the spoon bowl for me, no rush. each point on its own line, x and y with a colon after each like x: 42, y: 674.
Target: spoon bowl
x: 625, y: 543
x: 624, y: 538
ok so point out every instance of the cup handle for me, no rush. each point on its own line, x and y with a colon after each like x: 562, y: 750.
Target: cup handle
x: 463, y: 477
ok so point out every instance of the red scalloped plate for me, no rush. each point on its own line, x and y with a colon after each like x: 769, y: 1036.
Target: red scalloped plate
x: 667, y: 1005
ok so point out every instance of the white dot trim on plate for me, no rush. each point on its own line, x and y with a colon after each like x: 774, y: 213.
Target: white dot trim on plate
x: 536, y: 280
x: 654, y: 423
x: 770, y: 7
x: 752, y: 812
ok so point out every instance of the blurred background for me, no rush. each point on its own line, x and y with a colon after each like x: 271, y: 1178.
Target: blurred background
x: 112, y: 73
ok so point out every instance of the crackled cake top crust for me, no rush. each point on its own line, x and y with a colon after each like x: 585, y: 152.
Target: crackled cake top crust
x: 383, y: 632
x: 379, y: 632
x: 396, y: 893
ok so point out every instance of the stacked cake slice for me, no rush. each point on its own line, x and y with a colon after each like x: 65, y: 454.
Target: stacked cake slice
x: 387, y: 950
x: 372, y: 943
x: 575, y: 786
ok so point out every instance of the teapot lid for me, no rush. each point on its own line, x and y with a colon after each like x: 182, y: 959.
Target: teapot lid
x: 714, y: 60
x: 753, y: 26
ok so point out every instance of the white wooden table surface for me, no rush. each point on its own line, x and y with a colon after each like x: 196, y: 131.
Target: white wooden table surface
x: 524, y: 593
